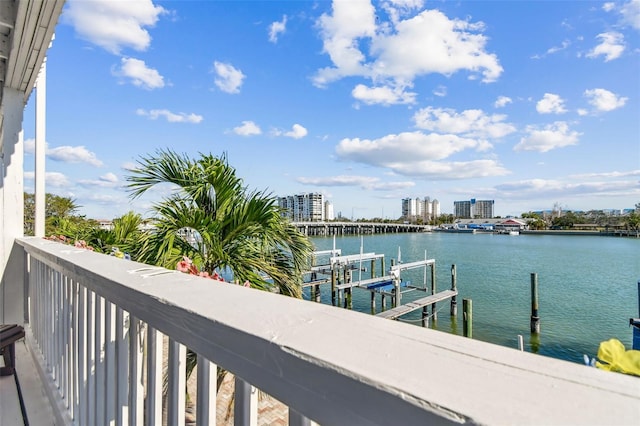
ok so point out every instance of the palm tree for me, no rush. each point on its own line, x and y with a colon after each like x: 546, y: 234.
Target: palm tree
x: 235, y: 229
x: 124, y: 235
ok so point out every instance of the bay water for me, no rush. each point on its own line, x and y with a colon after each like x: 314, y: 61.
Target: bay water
x: 587, y: 285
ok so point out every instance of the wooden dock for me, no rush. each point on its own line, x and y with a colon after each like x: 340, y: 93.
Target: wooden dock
x: 338, y: 270
x: 396, y: 312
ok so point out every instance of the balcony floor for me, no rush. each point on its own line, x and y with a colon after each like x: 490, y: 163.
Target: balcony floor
x: 39, y: 411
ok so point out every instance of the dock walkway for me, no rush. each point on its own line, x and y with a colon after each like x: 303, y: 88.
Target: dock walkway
x: 417, y: 304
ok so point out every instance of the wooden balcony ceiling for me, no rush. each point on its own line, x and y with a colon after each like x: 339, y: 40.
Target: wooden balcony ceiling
x: 26, y: 29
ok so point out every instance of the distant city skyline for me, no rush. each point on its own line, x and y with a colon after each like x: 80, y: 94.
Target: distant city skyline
x: 366, y: 102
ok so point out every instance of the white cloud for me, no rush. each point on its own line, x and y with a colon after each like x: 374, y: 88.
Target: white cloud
x: 397, y: 9
x: 65, y: 154
x: 228, y: 79
x: 432, y: 43
x: 611, y: 46
x: 551, y: 104
x: 552, y: 136
x: 276, y: 28
x: 248, y: 128
x: 383, y: 95
x: 603, y: 100
x: 440, y: 91
x: 297, y: 132
x: 114, y: 25
x: 402, y: 49
x: 614, y: 174
x: 419, y: 154
x: 29, y: 146
x: 171, y: 117
x: 108, y: 180
x: 567, y: 187
x: 53, y: 179
x: 364, y: 182
x: 139, y: 74
x: 128, y: 166
x: 472, y: 122
x: 631, y: 13
x: 609, y: 6
x: 502, y: 101
x: 555, y: 49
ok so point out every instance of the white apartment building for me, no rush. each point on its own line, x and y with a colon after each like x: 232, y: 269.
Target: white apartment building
x: 308, y: 207
x: 426, y: 209
x: 328, y: 211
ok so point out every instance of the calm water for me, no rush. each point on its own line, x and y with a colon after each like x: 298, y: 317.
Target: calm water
x: 587, y: 285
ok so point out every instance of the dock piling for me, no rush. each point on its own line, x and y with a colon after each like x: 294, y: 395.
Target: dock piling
x: 467, y: 324
x: 535, y: 319
x: 334, y: 275
x: 454, y: 302
x: 434, y: 313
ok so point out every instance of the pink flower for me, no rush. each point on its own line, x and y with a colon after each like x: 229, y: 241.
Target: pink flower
x: 247, y: 283
x: 184, y: 265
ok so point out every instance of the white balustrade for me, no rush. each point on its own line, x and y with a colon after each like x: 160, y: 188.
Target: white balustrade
x: 99, y: 324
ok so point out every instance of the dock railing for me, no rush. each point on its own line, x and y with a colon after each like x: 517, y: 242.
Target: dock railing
x: 90, y: 315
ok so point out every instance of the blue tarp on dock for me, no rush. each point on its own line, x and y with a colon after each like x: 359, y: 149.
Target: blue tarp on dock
x: 386, y: 285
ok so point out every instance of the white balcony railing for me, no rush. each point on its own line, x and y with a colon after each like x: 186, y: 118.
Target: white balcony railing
x: 89, y: 315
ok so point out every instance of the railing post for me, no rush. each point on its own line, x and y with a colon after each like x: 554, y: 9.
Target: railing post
x: 177, y: 383
x: 245, y: 410
x: 136, y: 409
x: 81, y: 414
x: 207, y: 392
x: 110, y: 405
x: 90, y: 382
x: 122, y: 369
x: 297, y: 419
x: 99, y: 360
x: 153, y: 401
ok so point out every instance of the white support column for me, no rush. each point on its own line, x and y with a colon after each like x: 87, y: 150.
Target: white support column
x: 12, y: 208
x: 207, y: 392
x: 245, y: 408
x: 177, y: 383
x: 153, y: 401
x: 122, y: 367
x: 136, y: 391
x: 40, y: 150
x: 110, y: 372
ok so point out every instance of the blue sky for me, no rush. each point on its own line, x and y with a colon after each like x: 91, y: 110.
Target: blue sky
x: 528, y: 103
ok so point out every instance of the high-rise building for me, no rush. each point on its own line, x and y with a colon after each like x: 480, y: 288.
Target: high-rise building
x: 309, y: 207
x: 408, y: 208
x: 425, y: 209
x: 473, y: 209
x: 328, y: 211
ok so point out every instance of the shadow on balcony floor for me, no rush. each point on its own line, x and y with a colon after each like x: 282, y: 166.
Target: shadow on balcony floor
x: 39, y: 411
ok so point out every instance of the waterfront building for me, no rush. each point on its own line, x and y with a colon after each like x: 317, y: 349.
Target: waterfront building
x: 425, y: 209
x: 408, y: 208
x: 430, y: 209
x: 328, y: 211
x: 479, y: 209
x: 308, y: 207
